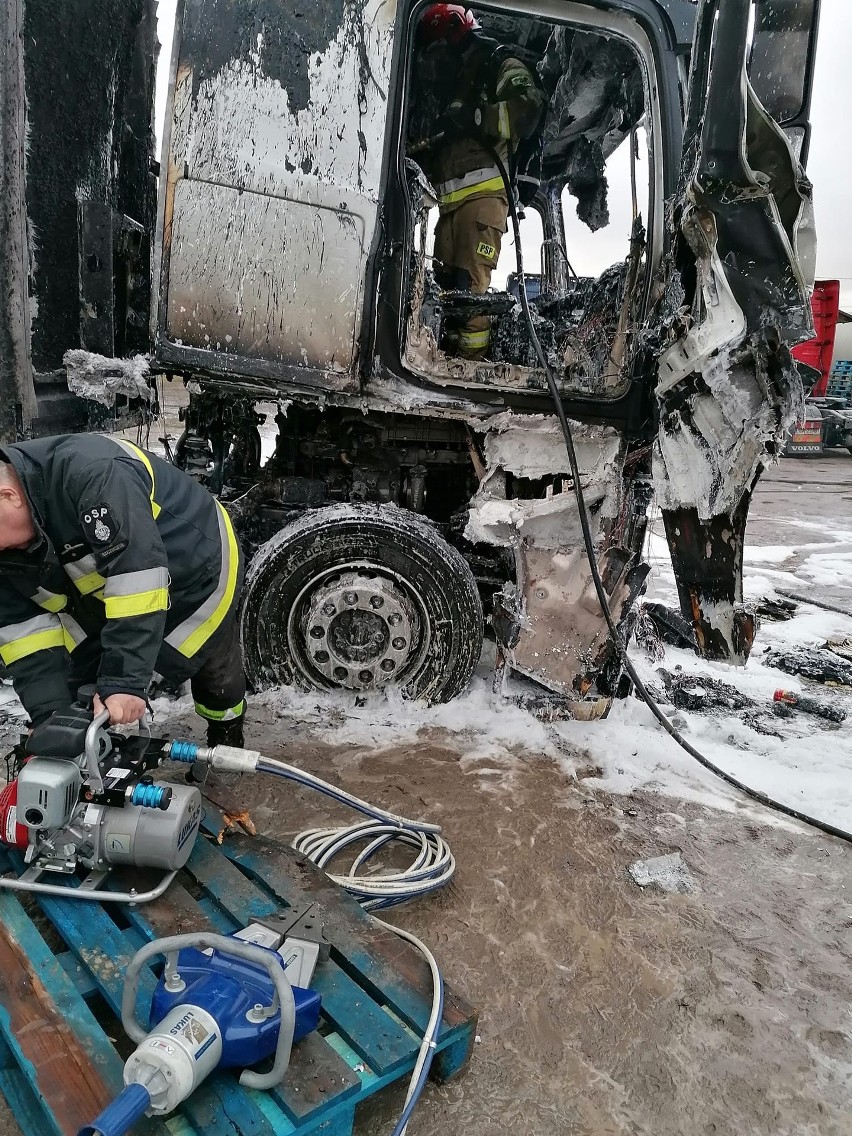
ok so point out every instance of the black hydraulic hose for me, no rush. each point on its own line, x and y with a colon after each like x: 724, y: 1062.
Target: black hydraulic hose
x: 816, y: 603
x: 618, y: 644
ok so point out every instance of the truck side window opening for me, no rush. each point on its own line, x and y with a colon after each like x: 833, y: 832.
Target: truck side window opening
x: 583, y: 258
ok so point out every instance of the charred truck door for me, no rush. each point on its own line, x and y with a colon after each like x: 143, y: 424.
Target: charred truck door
x: 269, y: 193
x: 737, y: 298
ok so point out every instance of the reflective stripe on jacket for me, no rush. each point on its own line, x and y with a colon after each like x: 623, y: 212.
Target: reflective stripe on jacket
x: 464, y: 167
x: 130, y: 551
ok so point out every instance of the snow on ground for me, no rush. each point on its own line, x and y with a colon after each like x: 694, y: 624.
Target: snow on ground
x: 809, y: 766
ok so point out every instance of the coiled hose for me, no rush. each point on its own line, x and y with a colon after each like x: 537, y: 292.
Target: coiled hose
x: 432, y: 867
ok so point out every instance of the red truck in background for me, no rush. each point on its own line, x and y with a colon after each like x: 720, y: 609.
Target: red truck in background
x: 828, y: 399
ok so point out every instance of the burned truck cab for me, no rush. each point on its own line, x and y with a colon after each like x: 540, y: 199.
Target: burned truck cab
x: 408, y: 490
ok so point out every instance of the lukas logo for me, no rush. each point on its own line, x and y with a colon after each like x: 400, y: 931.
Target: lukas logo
x: 189, y: 826
x: 181, y: 1024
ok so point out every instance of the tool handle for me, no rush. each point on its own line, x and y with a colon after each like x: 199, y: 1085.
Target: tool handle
x: 248, y: 952
x: 424, y: 144
x: 92, y: 750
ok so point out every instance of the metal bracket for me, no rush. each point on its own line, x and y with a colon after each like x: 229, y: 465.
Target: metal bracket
x: 304, y: 943
x: 300, y: 923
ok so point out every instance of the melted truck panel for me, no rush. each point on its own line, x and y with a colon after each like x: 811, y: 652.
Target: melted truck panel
x: 272, y: 180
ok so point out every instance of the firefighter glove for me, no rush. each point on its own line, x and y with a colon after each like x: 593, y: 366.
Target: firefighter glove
x: 460, y: 121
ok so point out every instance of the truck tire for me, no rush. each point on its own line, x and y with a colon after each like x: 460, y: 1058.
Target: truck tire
x: 361, y: 597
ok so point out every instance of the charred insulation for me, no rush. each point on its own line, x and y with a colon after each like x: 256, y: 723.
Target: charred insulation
x: 283, y: 36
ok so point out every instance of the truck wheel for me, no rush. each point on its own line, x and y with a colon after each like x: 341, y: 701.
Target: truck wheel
x: 361, y: 597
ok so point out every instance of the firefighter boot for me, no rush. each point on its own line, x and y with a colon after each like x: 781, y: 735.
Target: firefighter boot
x: 220, y: 733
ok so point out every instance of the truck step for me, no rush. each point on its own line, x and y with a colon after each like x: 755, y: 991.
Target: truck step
x: 62, y: 965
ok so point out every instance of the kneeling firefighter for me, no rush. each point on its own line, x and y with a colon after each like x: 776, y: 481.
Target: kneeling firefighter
x: 493, y: 105
x: 114, y: 564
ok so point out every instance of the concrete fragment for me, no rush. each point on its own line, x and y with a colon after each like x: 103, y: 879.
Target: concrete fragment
x: 669, y: 873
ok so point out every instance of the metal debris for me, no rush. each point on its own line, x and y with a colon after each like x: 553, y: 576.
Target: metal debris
x: 670, y: 625
x: 811, y: 662
x: 102, y: 379
x: 699, y: 692
x: 792, y: 701
x: 776, y: 610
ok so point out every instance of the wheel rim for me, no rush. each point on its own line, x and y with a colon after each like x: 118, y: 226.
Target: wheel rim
x: 358, y: 626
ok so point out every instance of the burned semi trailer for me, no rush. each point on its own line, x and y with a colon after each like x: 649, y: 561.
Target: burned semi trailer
x: 78, y: 194
x: 408, y: 490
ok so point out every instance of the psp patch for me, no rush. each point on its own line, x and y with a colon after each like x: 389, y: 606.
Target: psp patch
x: 489, y: 251
x: 98, y: 525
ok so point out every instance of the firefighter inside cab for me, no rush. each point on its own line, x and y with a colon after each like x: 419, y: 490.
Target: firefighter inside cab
x: 489, y: 109
x: 113, y: 565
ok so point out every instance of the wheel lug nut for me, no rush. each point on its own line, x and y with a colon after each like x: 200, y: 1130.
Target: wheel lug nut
x: 328, y: 609
x: 365, y: 676
x: 377, y: 602
x: 340, y: 673
x: 395, y: 619
x: 388, y: 665
x: 351, y: 598
x: 321, y: 656
x: 399, y: 644
x: 317, y: 632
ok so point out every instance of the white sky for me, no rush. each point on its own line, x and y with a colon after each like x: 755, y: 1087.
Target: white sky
x: 829, y: 165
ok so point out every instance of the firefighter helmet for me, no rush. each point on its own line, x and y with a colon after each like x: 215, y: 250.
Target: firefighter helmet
x: 445, y: 23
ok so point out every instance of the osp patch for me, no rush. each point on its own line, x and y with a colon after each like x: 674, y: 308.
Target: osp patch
x: 98, y: 524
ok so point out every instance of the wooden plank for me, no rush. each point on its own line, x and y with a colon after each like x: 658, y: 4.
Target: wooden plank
x: 78, y: 974
x: 205, y: 1113
x: 177, y: 912
x: 26, y: 1108
x: 58, y: 1045
x: 452, y: 1059
x: 341, y: 1123
x: 231, y: 889
x: 174, y: 913
x: 102, y: 948
x: 372, y: 1033
x: 318, y: 1078
x: 252, y: 1113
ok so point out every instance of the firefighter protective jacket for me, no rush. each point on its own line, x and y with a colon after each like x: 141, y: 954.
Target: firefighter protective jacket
x: 129, y: 550
x: 512, y: 104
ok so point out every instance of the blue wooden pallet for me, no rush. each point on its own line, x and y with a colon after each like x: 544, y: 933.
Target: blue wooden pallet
x: 59, y: 1065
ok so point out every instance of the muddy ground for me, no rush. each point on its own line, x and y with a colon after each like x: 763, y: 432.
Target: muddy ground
x: 605, y: 1009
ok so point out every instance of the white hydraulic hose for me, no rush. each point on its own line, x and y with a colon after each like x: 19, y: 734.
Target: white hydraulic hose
x: 433, y: 867
x: 430, y: 1035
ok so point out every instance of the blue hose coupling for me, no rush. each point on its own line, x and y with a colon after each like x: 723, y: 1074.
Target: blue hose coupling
x: 151, y: 796
x: 117, y: 1118
x: 183, y: 751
